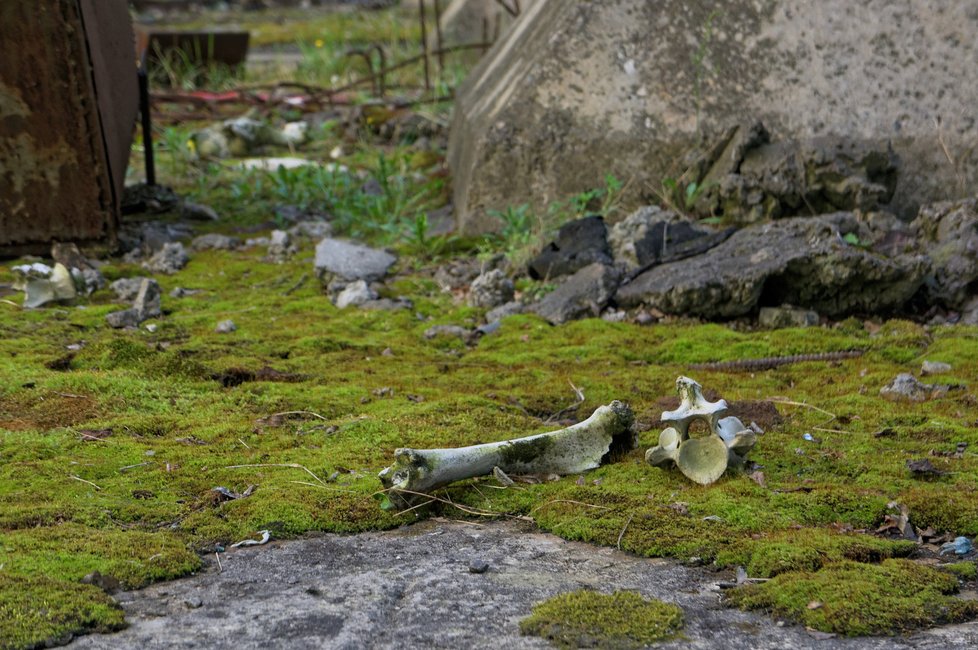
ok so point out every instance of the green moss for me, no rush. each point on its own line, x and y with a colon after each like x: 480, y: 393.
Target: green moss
x: 40, y: 612
x: 857, y: 599
x: 622, y: 620
x: 964, y: 570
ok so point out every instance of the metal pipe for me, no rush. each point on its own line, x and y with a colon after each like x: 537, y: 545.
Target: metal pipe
x: 147, y: 125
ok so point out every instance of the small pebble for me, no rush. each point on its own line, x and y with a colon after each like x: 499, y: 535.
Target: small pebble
x: 225, y: 327
x: 935, y: 368
x: 478, y: 566
x: 194, y: 603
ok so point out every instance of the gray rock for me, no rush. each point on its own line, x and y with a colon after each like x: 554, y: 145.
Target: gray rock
x: 170, y: 259
x: 586, y: 293
x: 491, y: 289
x: 347, y: 261
x: 478, y: 565
x: 126, y: 288
x: 786, y: 316
x: 280, y: 246
x: 802, y: 261
x: 906, y: 387
x: 950, y: 233
x: 969, y: 312
x: 226, y: 327
x: 198, y: 212
x: 146, y: 305
x: 501, y: 312
x: 579, y: 243
x: 312, y: 229
x: 387, y: 304
x: 568, y: 95
x: 651, y: 236
x: 182, y: 292
x: 446, y: 331
x: 934, y: 368
x: 215, y: 241
x: 355, y: 294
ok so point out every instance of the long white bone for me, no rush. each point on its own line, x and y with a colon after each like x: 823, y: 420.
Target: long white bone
x: 567, y: 451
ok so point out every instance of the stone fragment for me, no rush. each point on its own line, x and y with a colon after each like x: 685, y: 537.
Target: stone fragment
x: 502, y: 311
x: 355, y: 294
x: 478, y: 565
x: 578, y: 244
x: 584, y: 294
x: 146, y: 305
x: 906, y: 387
x: 198, y: 212
x: 337, y: 259
x: 280, y: 246
x: 126, y: 288
x: 455, y: 331
x: 226, y: 327
x: 311, y: 229
x: 215, y: 241
x: 934, y: 368
x: 491, y: 289
x: 786, y: 316
x: 651, y: 236
x: 170, y: 259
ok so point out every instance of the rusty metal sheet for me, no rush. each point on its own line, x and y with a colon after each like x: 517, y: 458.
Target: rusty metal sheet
x: 60, y: 168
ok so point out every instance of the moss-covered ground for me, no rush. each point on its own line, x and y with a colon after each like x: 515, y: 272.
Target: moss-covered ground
x: 589, y: 619
x: 112, y: 442
x: 110, y: 464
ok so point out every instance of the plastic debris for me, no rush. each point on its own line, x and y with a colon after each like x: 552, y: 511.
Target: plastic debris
x: 960, y: 546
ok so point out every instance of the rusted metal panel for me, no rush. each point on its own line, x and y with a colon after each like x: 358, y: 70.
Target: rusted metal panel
x: 67, y: 109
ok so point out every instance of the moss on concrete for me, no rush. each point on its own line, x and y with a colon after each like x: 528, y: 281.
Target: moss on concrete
x: 855, y: 599
x: 589, y: 619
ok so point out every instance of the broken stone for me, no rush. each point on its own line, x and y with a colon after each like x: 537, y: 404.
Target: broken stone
x: 478, y: 565
x: 703, y: 456
x: 182, y: 292
x: 280, y: 246
x: 786, y: 316
x: 651, y: 236
x: 449, y: 331
x: 312, y: 229
x: 355, y: 294
x: 86, y: 276
x: 387, y: 304
x: 586, y: 293
x: 806, y: 262
x: 146, y: 305
x: 170, y: 259
x: 242, y: 136
x: 226, y: 327
x: 909, y: 388
x: 198, y: 212
x: 338, y: 260
x: 579, y: 243
x: 215, y: 241
x: 567, y: 451
x: 502, y: 311
x: 42, y: 284
x: 491, y: 289
x: 934, y: 368
x: 126, y: 288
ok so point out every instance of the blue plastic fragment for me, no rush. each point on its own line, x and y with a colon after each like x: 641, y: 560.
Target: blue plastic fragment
x: 809, y: 437
x: 960, y: 546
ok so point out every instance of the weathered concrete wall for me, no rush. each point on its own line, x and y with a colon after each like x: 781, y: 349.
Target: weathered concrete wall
x: 472, y: 21
x: 579, y: 89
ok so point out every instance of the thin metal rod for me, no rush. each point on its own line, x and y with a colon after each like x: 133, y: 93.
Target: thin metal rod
x: 147, y: 125
x: 438, y: 42
x: 424, y: 45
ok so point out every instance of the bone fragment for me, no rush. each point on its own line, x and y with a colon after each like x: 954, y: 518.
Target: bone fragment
x: 703, y: 458
x: 567, y: 451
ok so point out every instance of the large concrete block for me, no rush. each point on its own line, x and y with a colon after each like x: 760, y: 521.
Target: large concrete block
x: 576, y: 90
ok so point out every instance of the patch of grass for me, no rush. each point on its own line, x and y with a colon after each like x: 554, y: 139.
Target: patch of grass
x: 963, y: 570
x: 37, y: 611
x: 858, y: 599
x: 622, y: 620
